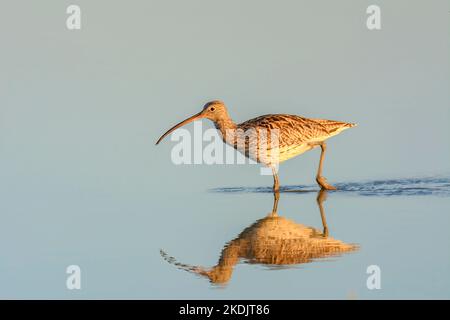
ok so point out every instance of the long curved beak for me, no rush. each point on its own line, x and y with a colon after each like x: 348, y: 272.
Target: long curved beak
x: 182, y: 123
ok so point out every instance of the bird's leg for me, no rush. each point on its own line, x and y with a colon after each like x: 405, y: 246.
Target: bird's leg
x: 276, y: 197
x: 319, y: 178
x: 276, y: 183
x: 321, y: 197
x: 276, y: 191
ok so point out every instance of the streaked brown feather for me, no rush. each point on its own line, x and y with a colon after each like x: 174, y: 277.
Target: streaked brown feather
x: 296, y: 130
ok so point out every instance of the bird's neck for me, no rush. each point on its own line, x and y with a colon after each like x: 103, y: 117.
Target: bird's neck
x: 224, y: 125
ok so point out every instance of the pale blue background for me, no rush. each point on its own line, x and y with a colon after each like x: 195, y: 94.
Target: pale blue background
x: 81, y: 181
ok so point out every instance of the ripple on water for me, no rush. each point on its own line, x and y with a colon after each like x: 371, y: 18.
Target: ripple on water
x: 434, y: 186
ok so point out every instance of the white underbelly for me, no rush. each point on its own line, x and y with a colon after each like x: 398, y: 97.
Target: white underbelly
x: 287, y: 153
x: 275, y: 155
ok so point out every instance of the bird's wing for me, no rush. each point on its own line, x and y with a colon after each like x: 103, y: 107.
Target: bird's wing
x: 296, y: 130
x: 332, y: 125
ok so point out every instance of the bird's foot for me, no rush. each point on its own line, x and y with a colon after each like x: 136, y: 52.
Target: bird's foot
x: 324, y: 183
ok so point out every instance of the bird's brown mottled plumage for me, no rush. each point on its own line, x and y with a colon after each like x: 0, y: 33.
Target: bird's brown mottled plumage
x: 293, y: 135
x: 295, y: 130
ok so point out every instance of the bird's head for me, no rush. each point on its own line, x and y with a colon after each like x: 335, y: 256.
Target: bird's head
x: 214, y: 110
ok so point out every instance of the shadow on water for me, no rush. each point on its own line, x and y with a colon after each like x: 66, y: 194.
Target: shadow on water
x: 436, y: 186
x: 273, y: 241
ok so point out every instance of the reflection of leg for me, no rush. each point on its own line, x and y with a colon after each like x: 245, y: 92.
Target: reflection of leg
x: 276, y: 184
x: 319, y: 178
x: 321, y: 197
x: 276, y: 197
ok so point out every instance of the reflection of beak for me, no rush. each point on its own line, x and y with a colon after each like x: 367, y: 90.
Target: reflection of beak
x: 182, y: 123
x: 193, y: 269
x: 217, y: 275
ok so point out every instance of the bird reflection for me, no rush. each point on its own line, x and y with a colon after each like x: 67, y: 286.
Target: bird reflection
x: 273, y: 241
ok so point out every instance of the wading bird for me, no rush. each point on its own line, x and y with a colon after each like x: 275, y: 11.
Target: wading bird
x: 294, y: 135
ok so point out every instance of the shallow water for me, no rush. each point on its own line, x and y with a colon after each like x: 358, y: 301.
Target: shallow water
x: 81, y: 182
x: 126, y: 252
x: 437, y: 186
x: 388, y: 223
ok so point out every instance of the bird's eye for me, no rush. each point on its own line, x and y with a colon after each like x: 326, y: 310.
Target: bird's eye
x: 212, y: 109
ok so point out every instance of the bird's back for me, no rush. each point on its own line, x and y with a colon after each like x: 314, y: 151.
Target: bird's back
x: 295, y: 130
x: 274, y: 138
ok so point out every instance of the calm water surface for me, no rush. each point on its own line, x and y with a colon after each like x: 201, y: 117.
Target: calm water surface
x: 81, y: 182
x: 227, y: 243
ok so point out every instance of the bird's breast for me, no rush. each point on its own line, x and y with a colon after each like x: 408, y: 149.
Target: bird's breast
x: 263, y: 148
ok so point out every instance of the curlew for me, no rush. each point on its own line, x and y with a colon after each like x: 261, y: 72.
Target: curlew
x: 271, y: 139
